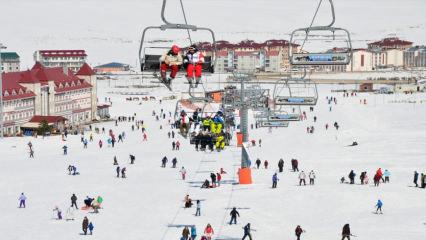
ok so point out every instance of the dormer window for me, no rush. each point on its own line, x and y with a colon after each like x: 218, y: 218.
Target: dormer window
x: 67, y: 85
x: 6, y: 93
x: 72, y: 84
x: 13, y: 92
x: 20, y: 91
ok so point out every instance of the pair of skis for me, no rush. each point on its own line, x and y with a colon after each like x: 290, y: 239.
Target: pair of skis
x: 168, y: 82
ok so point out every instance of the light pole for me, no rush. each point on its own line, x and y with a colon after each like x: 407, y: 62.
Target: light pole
x: 1, y: 93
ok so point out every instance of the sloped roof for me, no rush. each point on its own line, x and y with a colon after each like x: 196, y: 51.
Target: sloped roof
x: 49, y: 119
x: 112, y: 65
x: 9, y: 55
x: 38, y: 74
x: 85, y: 70
x: 387, y: 42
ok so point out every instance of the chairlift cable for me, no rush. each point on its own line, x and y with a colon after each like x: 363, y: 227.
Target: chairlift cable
x: 312, y: 22
x: 186, y: 22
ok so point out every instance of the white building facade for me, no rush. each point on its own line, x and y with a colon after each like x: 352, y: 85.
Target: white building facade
x: 71, y: 59
x: 10, y: 62
x: 45, y: 91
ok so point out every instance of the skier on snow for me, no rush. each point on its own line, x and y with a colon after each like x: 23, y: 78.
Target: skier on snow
x: 234, y: 213
x: 22, y: 200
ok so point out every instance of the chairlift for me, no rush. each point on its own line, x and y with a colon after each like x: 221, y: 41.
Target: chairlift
x: 151, y: 62
x: 296, y: 92
x: 304, y: 58
x: 264, y: 124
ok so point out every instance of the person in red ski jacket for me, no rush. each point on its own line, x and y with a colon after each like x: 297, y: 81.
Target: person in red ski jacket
x: 218, y: 178
x: 193, y: 61
x: 208, y: 231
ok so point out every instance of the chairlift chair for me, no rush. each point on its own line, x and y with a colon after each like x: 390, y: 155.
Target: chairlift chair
x: 321, y: 58
x: 296, y: 92
x: 151, y: 62
x: 264, y: 124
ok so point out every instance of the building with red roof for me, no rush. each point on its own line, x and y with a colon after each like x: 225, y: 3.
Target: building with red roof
x: 72, y: 59
x: 390, y: 43
x: 43, y: 91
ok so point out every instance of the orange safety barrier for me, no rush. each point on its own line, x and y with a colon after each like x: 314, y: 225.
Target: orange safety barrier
x: 244, y: 175
x: 239, y: 139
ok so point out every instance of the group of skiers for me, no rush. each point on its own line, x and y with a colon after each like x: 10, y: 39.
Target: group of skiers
x: 378, y: 176
x: 422, y: 179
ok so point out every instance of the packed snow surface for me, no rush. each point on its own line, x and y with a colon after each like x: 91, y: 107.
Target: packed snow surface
x: 148, y: 204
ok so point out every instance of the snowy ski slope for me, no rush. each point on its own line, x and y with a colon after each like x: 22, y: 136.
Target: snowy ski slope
x: 149, y: 203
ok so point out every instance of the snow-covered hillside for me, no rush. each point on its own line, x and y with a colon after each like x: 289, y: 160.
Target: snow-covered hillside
x: 110, y: 30
x: 148, y: 204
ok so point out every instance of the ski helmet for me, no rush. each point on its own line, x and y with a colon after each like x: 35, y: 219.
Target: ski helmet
x: 175, y: 49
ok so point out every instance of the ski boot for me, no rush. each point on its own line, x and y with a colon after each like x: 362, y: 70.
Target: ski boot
x: 197, y: 81
x: 169, y: 81
x: 190, y: 80
x: 163, y: 76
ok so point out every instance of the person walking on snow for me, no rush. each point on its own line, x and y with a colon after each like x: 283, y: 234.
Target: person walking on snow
x: 234, y: 213
x: 379, y: 206
x: 302, y: 177
x: 352, y: 177
x: 123, y: 172
x: 213, y: 177
x: 185, y: 233
x: 208, y: 231
x: 74, y: 201
x: 177, y: 145
x: 312, y: 177
x: 65, y: 148
x: 386, y: 174
x: 163, y: 162
x: 416, y: 177
x: 247, y: 232
x: 265, y: 164
x: 198, y: 211
x: 346, y: 232
x: 58, y: 212
x: 22, y: 200
x: 118, y: 171
x: 193, y: 232
x: 91, y: 227
x: 281, y: 165
x: 274, y: 180
x: 218, y: 178
x: 183, y: 173
x: 258, y: 162
x: 85, y: 225
x: 298, y: 231
x: 174, y: 162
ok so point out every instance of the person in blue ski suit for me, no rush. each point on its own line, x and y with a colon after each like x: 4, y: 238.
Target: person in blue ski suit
x: 379, y: 206
x: 274, y: 180
x: 193, y: 232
